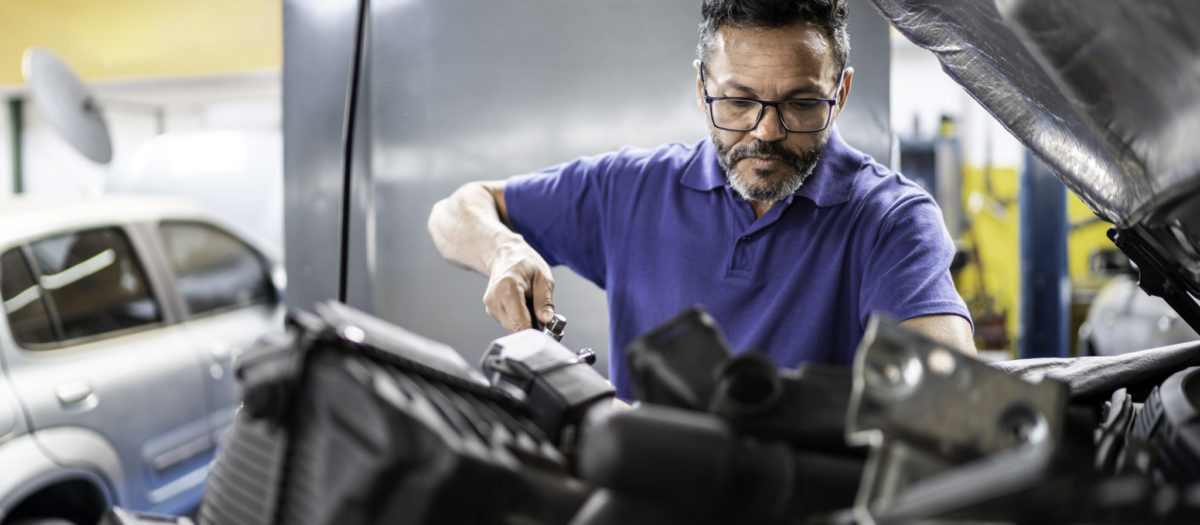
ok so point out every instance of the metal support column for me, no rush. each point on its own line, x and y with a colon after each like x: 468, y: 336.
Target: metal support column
x: 16, y: 120
x: 1045, y: 284
x: 327, y: 251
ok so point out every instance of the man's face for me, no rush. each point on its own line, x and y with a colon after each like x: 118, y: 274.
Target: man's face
x: 768, y: 163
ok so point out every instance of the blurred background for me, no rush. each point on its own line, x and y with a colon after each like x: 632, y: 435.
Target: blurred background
x: 242, y: 107
x: 190, y: 91
x: 319, y: 133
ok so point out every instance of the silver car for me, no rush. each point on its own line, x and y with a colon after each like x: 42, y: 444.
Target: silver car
x: 122, y: 317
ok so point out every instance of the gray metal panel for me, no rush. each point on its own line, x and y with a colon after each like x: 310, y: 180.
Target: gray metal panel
x: 318, y: 40
x: 461, y: 90
x: 866, y: 123
x: 467, y: 90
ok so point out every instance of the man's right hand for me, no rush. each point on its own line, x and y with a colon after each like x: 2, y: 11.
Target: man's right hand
x: 520, y: 280
x: 471, y: 228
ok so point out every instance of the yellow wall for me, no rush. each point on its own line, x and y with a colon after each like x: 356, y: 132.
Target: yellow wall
x: 107, y: 39
x: 993, y: 236
x: 994, y: 230
x: 1083, y: 242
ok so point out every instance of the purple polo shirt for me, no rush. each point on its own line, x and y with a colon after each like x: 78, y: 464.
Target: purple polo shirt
x: 661, y: 230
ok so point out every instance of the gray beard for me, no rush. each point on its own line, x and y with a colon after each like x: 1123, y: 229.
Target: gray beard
x: 799, y: 167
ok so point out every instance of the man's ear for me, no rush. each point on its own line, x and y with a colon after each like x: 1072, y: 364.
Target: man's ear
x: 699, y: 85
x: 844, y: 92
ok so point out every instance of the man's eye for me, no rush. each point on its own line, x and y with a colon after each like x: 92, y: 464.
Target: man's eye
x: 742, y: 104
x: 802, y: 105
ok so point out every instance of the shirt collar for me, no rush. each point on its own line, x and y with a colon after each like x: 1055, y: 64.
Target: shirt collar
x: 830, y: 184
x: 703, y: 172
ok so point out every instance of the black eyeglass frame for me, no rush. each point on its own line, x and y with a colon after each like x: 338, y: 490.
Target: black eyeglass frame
x: 763, y: 104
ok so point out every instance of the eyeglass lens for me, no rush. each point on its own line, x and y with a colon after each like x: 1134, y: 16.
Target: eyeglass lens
x: 797, y: 115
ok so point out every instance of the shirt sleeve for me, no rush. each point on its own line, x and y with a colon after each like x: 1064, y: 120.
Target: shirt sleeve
x: 559, y: 212
x: 908, y: 271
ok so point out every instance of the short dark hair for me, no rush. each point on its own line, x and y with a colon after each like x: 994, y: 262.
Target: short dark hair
x: 829, y: 15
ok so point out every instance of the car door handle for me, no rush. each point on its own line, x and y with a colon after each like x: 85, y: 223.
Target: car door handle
x: 223, y: 351
x: 76, y: 394
x: 223, y: 355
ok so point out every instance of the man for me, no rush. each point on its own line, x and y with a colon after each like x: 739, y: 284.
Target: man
x: 788, y: 236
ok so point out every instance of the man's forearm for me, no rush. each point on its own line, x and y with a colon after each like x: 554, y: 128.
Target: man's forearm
x: 468, y: 229
x: 949, y: 329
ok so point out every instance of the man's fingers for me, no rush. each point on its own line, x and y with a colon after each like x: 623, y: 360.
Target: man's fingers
x: 518, y: 316
x: 505, y: 302
x: 512, y: 300
x: 518, y: 292
x: 543, y: 297
x: 493, y: 307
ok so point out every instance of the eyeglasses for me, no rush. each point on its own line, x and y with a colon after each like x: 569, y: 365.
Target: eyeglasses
x: 798, y: 115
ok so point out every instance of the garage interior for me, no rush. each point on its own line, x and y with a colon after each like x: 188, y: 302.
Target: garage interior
x: 324, y: 131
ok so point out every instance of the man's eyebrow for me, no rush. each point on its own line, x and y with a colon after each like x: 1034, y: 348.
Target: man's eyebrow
x: 803, y: 90
x: 807, y: 91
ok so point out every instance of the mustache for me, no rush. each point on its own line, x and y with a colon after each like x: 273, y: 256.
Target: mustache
x: 760, y: 148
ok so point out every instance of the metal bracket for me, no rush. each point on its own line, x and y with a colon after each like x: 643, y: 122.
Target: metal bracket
x: 924, y: 408
x: 1155, y: 275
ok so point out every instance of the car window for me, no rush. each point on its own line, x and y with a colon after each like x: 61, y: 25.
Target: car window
x: 27, y: 316
x: 214, y: 269
x: 94, y: 282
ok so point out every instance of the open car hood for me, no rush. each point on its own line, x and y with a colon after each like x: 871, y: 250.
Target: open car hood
x: 1107, y: 94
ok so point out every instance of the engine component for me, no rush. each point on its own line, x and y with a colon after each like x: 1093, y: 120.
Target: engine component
x: 120, y: 516
x: 1169, y: 426
x: 686, y: 363
x: 1037, y: 484
x: 690, y: 384
x: 558, y: 385
x: 674, y: 363
x: 352, y: 420
x: 924, y: 408
x: 355, y: 421
x: 955, y: 440
x: 1095, y: 378
x: 659, y: 464
x: 1110, y: 436
x: 804, y: 407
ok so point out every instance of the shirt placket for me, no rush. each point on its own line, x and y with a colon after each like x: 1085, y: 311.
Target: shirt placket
x: 749, y: 240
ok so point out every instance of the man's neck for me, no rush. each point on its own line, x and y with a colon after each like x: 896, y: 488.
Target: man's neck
x: 760, y: 208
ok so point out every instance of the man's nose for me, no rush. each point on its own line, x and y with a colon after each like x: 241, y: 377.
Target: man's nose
x: 770, y: 128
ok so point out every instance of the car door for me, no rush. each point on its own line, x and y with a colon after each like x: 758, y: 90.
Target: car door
x: 96, y: 360
x: 11, y: 422
x: 230, y: 302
